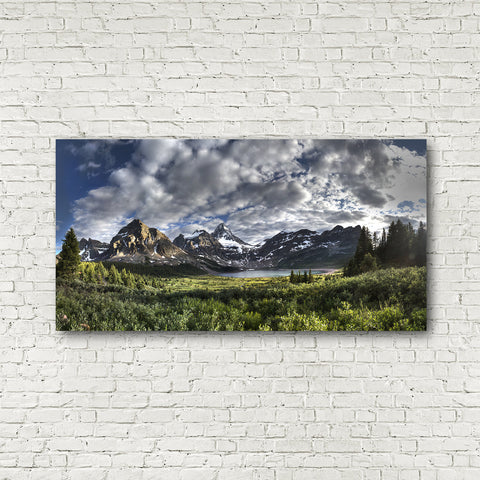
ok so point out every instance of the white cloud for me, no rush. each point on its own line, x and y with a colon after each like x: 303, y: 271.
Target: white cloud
x: 260, y: 186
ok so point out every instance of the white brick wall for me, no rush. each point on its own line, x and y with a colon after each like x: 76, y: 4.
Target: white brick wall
x: 251, y: 406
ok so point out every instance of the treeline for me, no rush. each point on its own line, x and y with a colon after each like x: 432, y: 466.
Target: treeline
x: 301, y: 277
x: 92, y: 272
x: 401, y: 246
x: 70, y: 266
x: 166, y: 271
x: 133, y: 275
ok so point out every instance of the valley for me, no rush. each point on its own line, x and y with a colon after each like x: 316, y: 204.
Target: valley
x: 141, y: 280
x: 126, y: 296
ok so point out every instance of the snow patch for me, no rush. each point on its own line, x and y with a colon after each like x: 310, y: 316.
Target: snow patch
x: 85, y: 254
x: 302, y: 246
x: 230, y: 243
x: 195, y: 234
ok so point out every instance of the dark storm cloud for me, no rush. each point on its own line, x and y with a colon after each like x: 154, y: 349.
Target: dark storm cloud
x: 259, y: 186
x: 345, y: 217
x: 275, y: 194
x: 361, y: 166
x: 369, y: 196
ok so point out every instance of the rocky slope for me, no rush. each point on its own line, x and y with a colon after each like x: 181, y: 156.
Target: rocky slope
x: 300, y: 249
x: 306, y: 248
x: 91, y: 250
x: 138, y: 243
x: 220, y: 247
x: 222, y: 250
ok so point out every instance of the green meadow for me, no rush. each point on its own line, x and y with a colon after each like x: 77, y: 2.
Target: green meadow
x: 106, y: 297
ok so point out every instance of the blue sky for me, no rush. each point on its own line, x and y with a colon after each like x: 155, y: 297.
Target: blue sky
x: 258, y: 187
x: 82, y: 166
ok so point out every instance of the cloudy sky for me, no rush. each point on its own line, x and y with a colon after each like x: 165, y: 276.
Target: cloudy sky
x: 257, y: 187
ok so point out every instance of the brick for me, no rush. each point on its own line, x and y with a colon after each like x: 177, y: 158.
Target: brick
x: 277, y: 407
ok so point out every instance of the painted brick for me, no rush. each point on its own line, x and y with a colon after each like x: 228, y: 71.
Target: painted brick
x: 341, y: 406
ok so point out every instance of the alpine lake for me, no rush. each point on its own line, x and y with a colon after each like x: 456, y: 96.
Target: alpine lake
x: 269, y: 273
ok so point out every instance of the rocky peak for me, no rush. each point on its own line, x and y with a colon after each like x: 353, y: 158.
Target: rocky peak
x: 91, y: 249
x: 138, y: 243
x: 197, y: 233
x: 222, y: 232
x: 138, y: 238
x: 135, y: 223
x: 340, y: 232
x: 198, y: 239
x: 87, y: 243
x: 138, y: 228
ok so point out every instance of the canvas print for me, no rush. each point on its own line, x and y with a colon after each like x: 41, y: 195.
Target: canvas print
x: 236, y: 235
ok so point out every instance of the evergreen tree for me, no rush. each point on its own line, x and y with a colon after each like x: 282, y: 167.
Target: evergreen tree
x: 403, y: 244
x: 113, y: 276
x: 364, y: 247
x: 397, y: 251
x: 124, y: 276
x: 391, y: 245
x: 420, y: 246
x: 310, y: 276
x: 381, y: 248
x: 292, y: 277
x: 130, y: 280
x: 400, y: 247
x: 101, y: 273
x: 140, y: 282
x: 69, y: 262
x: 348, y: 269
x: 410, y: 233
x: 89, y: 273
x: 368, y: 264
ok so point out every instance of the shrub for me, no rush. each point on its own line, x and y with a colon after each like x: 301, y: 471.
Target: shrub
x: 390, y: 299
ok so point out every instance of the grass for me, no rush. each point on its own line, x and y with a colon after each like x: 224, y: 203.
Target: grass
x: 389, y: 299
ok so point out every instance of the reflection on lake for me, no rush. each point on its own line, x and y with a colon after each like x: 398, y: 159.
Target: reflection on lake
x: 284, y: 272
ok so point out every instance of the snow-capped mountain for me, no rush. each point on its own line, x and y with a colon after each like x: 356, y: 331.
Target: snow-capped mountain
x: 225, y: 236
x: 306, y: 248
x: 300, y: 249
x: 221, y: 247
x: 91, y: 250
x: 222, y: 250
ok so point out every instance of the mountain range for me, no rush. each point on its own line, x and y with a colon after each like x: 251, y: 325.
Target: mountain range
x: 221, y: 250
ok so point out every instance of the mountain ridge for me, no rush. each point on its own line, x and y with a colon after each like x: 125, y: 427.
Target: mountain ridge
x: 222, y: 250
